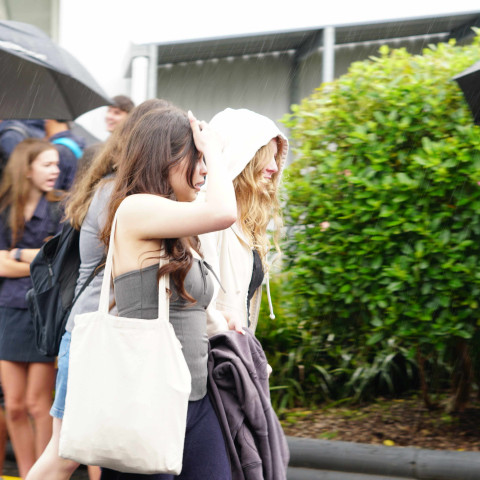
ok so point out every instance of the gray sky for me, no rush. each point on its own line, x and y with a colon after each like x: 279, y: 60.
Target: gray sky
x: 207, y: 18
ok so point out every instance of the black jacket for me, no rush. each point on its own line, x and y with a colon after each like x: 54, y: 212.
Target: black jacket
x: 238, y: 387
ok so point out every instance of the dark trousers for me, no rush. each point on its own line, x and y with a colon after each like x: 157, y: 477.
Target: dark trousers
x: 204, y: 454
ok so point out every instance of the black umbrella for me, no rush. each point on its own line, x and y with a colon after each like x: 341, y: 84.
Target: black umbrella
x: 469, y: 81
x: 39, y: 79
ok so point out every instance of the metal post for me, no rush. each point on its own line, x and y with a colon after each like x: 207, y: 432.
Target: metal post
x: 139, y: 86
x: 152, y: 71
x: 328, y: 61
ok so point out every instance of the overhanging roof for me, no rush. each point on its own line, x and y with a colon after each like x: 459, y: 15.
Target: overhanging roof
x: 448, y: 26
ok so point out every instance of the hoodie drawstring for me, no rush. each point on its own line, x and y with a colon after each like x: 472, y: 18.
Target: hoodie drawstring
x: 270, y: 306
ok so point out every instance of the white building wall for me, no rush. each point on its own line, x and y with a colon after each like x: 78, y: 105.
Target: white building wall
x: 258, y: 83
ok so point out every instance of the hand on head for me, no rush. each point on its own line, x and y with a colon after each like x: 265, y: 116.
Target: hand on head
x: 206, y: 139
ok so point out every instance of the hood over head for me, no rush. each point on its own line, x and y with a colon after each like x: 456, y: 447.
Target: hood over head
x: 243, y: 132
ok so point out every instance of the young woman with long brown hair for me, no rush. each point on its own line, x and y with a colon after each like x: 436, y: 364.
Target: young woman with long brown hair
x: 86, y: 210
x: 27, y: 219
x: 160, y: 173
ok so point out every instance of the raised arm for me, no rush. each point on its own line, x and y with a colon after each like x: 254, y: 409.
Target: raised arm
x: 145, y: 217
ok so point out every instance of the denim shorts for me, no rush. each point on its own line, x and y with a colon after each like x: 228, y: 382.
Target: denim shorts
x: 58, y: 406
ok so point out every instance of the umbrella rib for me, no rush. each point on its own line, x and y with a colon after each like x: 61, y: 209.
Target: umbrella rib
x: 65, y: 96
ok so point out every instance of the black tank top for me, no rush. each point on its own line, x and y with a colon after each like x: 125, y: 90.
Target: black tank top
x: 255, y: 281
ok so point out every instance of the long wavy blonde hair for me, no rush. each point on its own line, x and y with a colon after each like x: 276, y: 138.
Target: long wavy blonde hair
x: 258, y: 202
x: 104, y: 163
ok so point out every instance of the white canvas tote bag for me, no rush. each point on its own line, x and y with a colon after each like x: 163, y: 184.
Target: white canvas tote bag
x: 128, y: 389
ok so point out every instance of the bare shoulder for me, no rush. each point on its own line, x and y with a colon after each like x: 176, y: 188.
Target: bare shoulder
x: 143, y: 207
x: 139, y: 202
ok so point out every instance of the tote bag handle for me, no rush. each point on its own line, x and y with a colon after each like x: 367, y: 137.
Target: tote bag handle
x: 163, y: 283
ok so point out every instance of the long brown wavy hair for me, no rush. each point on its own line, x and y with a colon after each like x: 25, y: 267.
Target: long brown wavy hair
x: 159, y: 141
x: 103, y: 164
x: 15, y: 186
x: 257, y: 201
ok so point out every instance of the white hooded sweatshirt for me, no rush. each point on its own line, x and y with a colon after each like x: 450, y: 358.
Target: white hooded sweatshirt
x: 243, y: 133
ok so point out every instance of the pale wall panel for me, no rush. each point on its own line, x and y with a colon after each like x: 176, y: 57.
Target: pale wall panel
x: 260, y: 84
x: 311, y: 69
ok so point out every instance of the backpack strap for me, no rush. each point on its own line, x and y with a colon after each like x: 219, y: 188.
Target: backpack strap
x: 71, y: 144
x: 93, y: 274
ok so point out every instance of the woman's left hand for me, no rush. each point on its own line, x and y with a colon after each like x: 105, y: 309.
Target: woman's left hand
x: 233, y: 321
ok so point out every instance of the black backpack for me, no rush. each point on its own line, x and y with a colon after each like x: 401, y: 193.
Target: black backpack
x: 54, y: 272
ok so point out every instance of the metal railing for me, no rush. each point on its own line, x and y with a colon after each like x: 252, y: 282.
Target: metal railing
x: 312, y: 459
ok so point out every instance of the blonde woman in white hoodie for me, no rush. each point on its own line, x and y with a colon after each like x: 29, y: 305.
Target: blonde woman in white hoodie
x: 255, y: 151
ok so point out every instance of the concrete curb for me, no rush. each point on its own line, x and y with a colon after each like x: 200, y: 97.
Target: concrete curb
x: 309, y: 474
x: 312, y: 459
x: 361, y: 461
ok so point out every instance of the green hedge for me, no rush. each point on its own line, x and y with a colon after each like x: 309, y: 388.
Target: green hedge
x: 383, y: 228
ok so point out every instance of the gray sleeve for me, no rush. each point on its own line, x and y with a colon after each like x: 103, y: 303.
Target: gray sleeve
x: 91, y: 253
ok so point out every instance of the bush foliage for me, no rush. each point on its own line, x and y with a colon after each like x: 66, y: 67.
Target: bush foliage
x: 383, y: 230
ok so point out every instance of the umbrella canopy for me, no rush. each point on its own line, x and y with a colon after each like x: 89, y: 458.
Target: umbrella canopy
x: 469, y: 82
x: 39, y: 79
